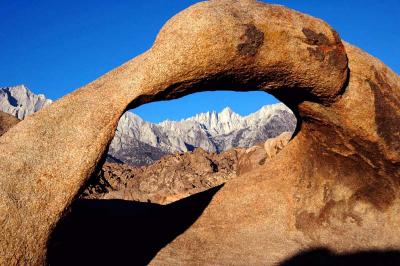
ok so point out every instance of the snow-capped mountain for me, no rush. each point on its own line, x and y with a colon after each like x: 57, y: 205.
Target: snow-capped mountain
x: 139, y: 142
x: 212, y: 131
x: 21, y: 102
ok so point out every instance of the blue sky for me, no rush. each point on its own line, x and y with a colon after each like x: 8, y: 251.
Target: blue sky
x: 54, y: 47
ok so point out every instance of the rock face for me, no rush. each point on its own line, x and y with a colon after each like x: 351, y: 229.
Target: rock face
x: 21, y: 102
x: 172, y: 178
x: 6, y: 122
x: 138, y: 142
x: 257, y: 156
x: 335, y: 185
x: 274, y: 145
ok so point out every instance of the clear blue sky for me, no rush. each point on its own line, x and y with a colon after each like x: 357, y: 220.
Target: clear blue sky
x: 56, y: 46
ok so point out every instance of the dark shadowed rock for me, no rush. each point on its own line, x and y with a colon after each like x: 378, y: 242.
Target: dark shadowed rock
x: 6, y: 122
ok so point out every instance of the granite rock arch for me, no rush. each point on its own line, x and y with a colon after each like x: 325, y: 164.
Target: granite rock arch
x: 227, y: 44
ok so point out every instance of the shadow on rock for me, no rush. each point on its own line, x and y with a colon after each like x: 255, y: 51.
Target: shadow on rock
x: 324, y: 257
x: 118, y: 232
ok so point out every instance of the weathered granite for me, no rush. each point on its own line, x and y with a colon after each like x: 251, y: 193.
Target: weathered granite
x: 335, y: 184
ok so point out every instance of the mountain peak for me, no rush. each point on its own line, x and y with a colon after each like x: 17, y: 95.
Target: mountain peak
x: 18, y: 87
x: 140, y: 142
x: 20, y: 102
x: 227, y: 110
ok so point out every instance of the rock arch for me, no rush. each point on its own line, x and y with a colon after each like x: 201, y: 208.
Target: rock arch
x: 343, y: 162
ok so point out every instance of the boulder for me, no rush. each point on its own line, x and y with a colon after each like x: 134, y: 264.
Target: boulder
x: 335, y: 184
x: 251, y: 158
x: 274, y: 145
x: 257, y: 155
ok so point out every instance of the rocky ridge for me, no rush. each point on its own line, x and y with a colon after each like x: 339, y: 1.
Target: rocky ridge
x: 180, y: 175
x: 138, y: 142
x: 167, y: 180
x: 175, y: 176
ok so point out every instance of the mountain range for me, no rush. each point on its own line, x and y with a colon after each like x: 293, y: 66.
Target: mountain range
x: 138, y: 142
x: 21, y: 102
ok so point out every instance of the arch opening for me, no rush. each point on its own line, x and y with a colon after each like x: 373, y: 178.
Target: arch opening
x: 125, y: 195
x: 220, y: 144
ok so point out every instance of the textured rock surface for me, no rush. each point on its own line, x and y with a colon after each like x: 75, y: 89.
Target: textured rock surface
x: 21, y: 102
x: 334, y: 185
x: 257, y: 156
x: 172, y: 178
x: 6, y: 122
x: 274, y: 145
x: 138, y: 142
